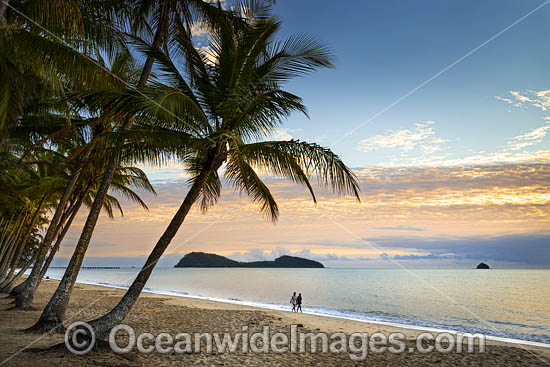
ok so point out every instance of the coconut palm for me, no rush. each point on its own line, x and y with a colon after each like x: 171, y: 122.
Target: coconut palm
x: 31, y: 188
x: 46, y: 49
x: 90, y: 168
x: 53, y: 185
x: 169, y: 17
x: 225, y: 102
x: 36, y: 203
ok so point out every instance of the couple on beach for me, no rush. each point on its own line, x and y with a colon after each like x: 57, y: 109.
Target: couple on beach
x: 296, y: 302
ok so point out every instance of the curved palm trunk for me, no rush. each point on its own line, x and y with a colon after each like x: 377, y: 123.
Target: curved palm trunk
x: 9, y: 238
x: 51, y: 255
x: 6, y: 261
x: 9, y: 246
x: 54, y: 313
x: 5, y: 230
x: 58, y: 302
x: 8, y: 266
x: 6, y: 288
x: 3, y: 8
x: 24, y: 243
x: 25, y: 298
x: 21, y: 286
x: 2, y: 225
x: 6, y: 246
x: 66, y: 227
x: 104, y: 324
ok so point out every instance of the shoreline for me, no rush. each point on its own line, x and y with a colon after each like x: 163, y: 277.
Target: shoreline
x: 407, y: 329
x: 174, y: 314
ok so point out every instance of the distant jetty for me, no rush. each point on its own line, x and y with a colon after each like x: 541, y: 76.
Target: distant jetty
x: 483, y: 266
x: 88, y: 267
x: 204, y: 260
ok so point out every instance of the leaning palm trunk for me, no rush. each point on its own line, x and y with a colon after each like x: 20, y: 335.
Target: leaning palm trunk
x: 6, y: 245
x: 3, y: 8
x: 23, y: 245
x: 6, y: 231
x: 54, y: 312
x: 10, y: 254
x: 25, y: 298
x: 60, y: 299
x: 21, y: 286
x: 9, y: 238
x: 59, y: 233
x: 52, y: 253
x: 64, y: 231
x: 6, y: 287
x: 12, y: 249
x: 104, y: 324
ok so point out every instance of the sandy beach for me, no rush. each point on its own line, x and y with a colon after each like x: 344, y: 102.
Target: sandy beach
x: 156, y: 313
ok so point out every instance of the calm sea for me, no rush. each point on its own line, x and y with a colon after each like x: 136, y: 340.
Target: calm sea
x: 504, y: 303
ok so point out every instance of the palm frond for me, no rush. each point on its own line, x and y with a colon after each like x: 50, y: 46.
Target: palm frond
x: 285, y: 157
x: 240, y: 174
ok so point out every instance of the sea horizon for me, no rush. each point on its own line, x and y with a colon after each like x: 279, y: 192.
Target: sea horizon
x: 326, y: 267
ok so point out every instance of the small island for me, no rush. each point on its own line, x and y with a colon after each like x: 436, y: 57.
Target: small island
x: 483, y: 266
x: 204, y: 260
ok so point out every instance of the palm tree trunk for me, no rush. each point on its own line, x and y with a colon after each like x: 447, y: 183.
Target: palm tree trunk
x: 6, y: 260
x: 60, y: 228
x: 3, y: 8
x: 54, y: 313
x: 25, y: 298
x: 5, y: 231
x: 9, y: 238
x: 104, y: 324
x: 13, y: 292
x: 2, y: 231
x: 23, y: 244
x: 66, y: 227
x: 21, y: 286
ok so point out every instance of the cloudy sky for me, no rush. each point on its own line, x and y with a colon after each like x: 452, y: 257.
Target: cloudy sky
x: 442, y: 108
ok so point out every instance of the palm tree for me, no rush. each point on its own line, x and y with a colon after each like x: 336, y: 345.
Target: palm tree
x: 28, y: 190
x: 37, y: 67
x: 224, y: 103
x: 46, y: 48
x: 90, y: 168
x: 169, y: 17
x: 36, y: 203
x: 59, y: 188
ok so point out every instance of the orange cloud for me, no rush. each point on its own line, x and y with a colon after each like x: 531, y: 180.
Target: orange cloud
x: 416, y: 202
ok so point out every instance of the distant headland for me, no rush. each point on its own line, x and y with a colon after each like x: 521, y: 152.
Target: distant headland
x: 483, y: 266
x: 204, y: 260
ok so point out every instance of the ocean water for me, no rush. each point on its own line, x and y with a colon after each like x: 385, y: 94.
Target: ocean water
x: 503, y: 303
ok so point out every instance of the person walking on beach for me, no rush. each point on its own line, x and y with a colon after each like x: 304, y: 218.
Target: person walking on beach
x: 299, y: 302
x: 293, y: 302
